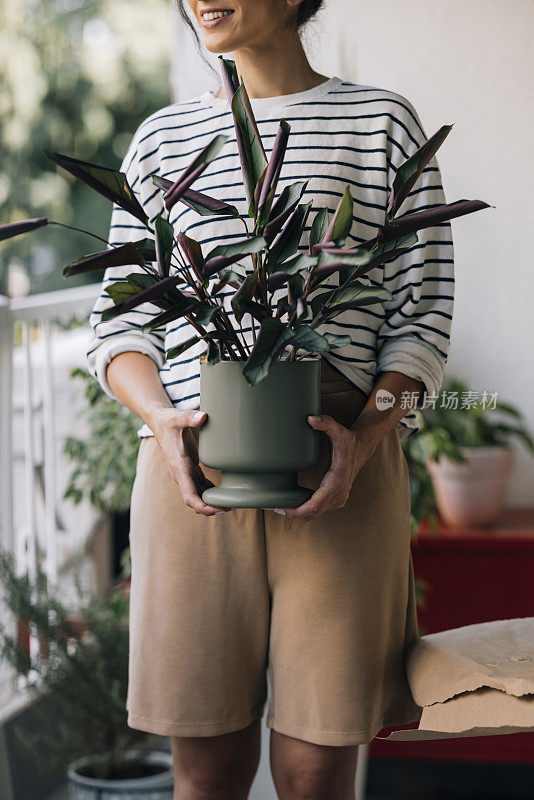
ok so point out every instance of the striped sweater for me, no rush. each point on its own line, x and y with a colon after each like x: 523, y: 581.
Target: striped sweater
x: 341, y: 133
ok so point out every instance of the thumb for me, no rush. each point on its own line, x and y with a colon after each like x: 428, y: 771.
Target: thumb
x: 321, y: 423
x: 195, y: 418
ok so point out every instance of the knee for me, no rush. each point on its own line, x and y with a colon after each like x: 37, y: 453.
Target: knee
x: 209, y: 786
x: 212, y: 781
x: 308, y: 783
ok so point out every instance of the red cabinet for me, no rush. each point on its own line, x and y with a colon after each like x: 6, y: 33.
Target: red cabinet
x: 472, y: 575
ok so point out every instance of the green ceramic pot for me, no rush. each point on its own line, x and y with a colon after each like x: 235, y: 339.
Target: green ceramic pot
x: 258, y: 436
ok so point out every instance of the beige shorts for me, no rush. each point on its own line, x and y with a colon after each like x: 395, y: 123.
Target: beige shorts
x: 324, y: 609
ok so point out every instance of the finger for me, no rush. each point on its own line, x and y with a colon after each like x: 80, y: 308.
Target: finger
x: 315, y: 505
x: 192, y: 498
x: 205, y: 483
x: 323, y: 422
x: 194, y: 418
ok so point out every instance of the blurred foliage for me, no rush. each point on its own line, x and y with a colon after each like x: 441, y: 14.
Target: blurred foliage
x: 105, y: 459
x: 77, y: 77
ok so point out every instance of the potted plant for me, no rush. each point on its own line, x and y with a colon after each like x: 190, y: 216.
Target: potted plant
x: 257, y: 394
x: 83, y: 675
x: 465, y: 447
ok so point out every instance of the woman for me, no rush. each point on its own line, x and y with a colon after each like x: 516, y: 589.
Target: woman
x: 321, y: 595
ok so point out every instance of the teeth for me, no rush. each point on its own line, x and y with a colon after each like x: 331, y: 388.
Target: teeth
x: 215, y: 14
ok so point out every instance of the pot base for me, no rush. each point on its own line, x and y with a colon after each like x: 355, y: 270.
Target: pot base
x: 257, y: 490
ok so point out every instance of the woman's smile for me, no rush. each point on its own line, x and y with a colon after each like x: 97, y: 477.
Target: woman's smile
x: 209, y: 18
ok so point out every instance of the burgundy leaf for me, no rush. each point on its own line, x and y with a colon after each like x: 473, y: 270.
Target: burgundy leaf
x: 110, y: 183
x: 11, y: 229
x: 429, y: 217
x: 272, y: 172
x: 152, y: 294
x: 181, y: 185
x: 129, y: 253
x: 193, y: 253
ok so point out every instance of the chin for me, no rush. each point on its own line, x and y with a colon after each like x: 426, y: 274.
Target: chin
x: 219, y: 44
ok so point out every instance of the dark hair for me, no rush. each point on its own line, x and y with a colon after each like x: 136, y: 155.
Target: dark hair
x: 305, y: 11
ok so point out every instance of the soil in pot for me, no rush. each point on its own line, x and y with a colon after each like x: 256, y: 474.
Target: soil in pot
x: 127, y: 770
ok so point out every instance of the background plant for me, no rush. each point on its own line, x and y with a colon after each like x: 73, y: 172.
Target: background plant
x: 104, y: 460
x: 445, y: 431
x: 81, y: 668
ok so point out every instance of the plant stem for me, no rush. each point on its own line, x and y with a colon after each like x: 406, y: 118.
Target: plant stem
x: 80, y: 230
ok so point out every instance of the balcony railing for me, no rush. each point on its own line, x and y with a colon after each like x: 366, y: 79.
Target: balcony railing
x: 31, y: 320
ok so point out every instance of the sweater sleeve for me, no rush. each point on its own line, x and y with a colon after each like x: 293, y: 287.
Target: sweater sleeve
x: 124, y: 333
x: 414, y: 336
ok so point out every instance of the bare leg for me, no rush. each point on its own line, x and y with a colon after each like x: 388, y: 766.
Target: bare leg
x: 216, y: 767
x: 305, y: 771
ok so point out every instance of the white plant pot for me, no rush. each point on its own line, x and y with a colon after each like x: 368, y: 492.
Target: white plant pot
x: 152, y: 787
x: 472, y: 493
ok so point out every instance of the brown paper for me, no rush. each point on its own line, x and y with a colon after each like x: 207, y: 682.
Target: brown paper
x: 477, y: 680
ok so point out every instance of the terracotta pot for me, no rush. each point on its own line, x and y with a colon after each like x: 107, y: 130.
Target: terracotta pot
x: 471, y: 493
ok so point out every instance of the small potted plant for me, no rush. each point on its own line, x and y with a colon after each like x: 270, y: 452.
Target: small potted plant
x: 257, y: 393
x: 82, y: 673
x: 465, y: 447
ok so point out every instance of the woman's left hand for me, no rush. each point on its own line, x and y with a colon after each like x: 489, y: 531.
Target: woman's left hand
x: 349, y: 454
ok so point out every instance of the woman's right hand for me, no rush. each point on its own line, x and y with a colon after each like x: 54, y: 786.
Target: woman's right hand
x: 172, y: 429
x: 134, y: 380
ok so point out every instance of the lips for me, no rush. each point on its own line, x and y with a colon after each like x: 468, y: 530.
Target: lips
x: 214, y: 16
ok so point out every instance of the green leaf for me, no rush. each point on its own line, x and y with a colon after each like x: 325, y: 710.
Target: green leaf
x: 141, y: 279
x: 110, y: 183
x: 309, y: 339
x: 213, y: 352
x: 272, y: 337
x: 164, y: 244
x: 245, y: 292
x: 167, y: 316
x: 283, y: 207
x: 204, y: 313
x: 256, y: 310
x: 300, y: 262
x: 287, y: 242
x: 254, y: 162
x: 409, y: 173
x: 319, y: 226
x: 225, y: 254
x: 339, y: 227
x: 337, y: 341
x: 229, y: 276
x: 181, y: 348
x: 121, y: 290
x: 351, y: 296
x: 295, y: 288
x: 160, y: 293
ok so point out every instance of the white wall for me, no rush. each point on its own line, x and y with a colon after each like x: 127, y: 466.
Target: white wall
x: 469, y: 62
